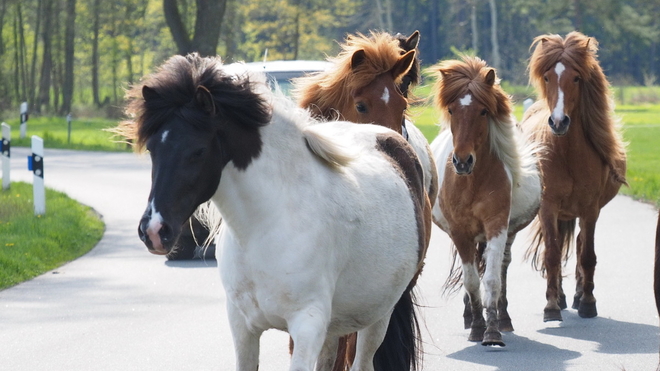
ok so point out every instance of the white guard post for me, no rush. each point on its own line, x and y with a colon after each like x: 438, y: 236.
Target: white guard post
x: 5, y: 147
x: 36, y: 163
x: 24, y: 118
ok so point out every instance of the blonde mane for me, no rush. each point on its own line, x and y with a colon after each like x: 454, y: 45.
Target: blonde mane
x: 455, y: 79
x: 327, y: 91
x: 596, y: 115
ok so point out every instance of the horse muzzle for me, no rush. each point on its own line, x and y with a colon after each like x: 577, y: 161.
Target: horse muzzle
x: 463, y: 166
x: 158, y: 236
x: 558, y: 126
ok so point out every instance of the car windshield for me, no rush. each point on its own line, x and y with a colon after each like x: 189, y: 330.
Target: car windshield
x: 280, y: 73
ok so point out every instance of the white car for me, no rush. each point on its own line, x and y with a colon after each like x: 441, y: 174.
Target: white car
x: 281, y: 72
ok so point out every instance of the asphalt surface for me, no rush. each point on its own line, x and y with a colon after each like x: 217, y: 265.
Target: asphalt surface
x: 121, y: 308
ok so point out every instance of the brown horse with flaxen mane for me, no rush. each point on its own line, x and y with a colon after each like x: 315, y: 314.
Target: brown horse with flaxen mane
x: 584, y: 165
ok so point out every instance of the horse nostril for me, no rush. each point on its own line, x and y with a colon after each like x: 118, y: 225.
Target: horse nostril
x: 470, y: 160
x: 565, y: 121
x: 551, y: 122
x: 165, y: 232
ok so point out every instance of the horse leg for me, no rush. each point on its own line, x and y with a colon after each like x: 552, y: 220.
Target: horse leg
x: 587, y: 262
x: 328, y: 359
x: 503, y: 318
x: 308, y: 329
x: 579, y: 290
x: 246, y: 342
x: 369, y: 340
x: 471, y: 284
x: 467, y: 312
x: 552, y: 261
x: 494, y: 256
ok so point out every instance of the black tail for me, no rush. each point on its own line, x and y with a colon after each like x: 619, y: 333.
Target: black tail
x: 401, y: 349
x: 566, y: 234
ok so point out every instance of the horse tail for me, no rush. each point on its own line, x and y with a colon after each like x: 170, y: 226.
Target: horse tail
x: 454, y: 279
x: 402, y: 347
x: 566, y: 233
x: 656, y: 268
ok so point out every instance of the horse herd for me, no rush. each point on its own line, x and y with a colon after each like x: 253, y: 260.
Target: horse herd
x: 312, y: 203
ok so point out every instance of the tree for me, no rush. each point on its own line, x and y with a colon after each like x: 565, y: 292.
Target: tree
x: 69, y: 40
x: 208, y: 22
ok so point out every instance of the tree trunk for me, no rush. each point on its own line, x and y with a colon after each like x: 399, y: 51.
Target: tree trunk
x: 493, y: 34
x: 32, y: 80
x: 473, y: 24
x: 47, y: 62
x: 69, y: 39
x: 95, y: 52
x: 208, y: 22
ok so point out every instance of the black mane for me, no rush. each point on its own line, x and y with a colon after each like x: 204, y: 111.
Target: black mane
x: 173, y: 90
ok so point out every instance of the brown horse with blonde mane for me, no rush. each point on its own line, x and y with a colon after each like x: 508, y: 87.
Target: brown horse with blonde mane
x: 368, y: 83
x: 489, y: 187
x: 584, y: 165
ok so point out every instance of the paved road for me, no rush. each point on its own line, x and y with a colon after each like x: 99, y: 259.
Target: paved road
x: 121, y: 308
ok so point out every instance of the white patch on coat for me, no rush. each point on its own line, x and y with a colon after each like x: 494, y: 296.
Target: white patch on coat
x: 164, y: 136
x: 494, y: 254
x: 466, y: 100
x: 558, y: 111
x: 386, y: 96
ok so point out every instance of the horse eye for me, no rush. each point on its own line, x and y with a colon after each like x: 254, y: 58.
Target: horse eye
x: 198, y: 153
x: 361, y: 108
x: 484, y: 112
x: 545, y: 78
x: 449, y: 110
x: 576, y: 79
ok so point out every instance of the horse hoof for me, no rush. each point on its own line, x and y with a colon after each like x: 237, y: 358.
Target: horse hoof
x: 552, y: 315
x: 576, y: 302
x: 505, y: 325
x: 477, y: 334
x: 492, y: 338
x: 562, y: 302
x: 587, y: 310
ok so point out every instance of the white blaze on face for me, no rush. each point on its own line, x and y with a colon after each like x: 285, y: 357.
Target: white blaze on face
x: 466, y: 100
x: 558, y: 111
x: 386, y: 96
x: 164, y: 136
x: 154, y: 226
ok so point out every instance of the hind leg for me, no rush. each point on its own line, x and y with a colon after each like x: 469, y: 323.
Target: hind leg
x: 368, y: 342
x: 578, y: 272
x: 328, y: 358
x: 308, y: 329
x: 503, y: 318
x: 587, y: 263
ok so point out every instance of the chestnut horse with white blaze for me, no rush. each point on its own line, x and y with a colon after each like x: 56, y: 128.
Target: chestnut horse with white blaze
x: 584, y: 164
x: 490, y: 186
x: 322, y: 228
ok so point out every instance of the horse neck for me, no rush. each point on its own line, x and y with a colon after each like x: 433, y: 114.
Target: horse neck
x: 251, y: 198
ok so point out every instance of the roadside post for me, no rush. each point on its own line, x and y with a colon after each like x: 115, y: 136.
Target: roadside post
x: 5, y: 148
x: 36, y: 165
x: 68, y: 125
x: 24, y: 119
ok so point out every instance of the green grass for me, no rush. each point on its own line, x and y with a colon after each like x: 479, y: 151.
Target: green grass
x: 86, y: 134
x: 31, y: 245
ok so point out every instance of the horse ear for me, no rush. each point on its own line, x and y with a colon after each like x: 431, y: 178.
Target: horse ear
x: 413, y: 40
x: 204, y: 98
x: 149, y: 93
x: 403, y: 65
x: 490, y: 77
x: 357, y: 58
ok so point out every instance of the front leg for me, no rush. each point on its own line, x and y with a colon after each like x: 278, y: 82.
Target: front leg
x: 503, y: 318
x: 494, y: 256
x: 369, y: 340
x: 308, y: 329
x: 246, y: 340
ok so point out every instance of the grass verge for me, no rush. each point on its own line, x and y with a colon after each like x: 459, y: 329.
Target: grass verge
x: 31, y: 245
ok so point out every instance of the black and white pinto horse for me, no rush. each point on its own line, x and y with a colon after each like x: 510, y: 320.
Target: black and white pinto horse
x: 324, y: 225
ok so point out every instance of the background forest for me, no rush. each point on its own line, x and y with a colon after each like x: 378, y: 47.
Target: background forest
x: 77, y: 56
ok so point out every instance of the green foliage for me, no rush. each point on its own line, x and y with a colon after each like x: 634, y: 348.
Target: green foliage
x: 32, y: 245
